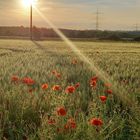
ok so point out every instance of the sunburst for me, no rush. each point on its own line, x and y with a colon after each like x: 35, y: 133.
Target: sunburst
x: 28, y: 3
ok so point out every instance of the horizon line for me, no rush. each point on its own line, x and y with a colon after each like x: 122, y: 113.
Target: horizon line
x: 63, y: 28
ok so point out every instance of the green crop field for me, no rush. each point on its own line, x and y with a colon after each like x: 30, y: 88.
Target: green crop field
x: 47, y: 92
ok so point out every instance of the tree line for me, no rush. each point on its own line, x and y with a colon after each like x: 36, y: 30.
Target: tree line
x: 44, y: 33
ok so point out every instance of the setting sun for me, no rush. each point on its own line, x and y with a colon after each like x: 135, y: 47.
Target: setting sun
x: 28, y: 2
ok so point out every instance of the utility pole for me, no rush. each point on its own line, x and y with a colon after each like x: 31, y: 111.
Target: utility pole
x: 31, y: 22
x: 136, y: 27
x: 97, y: 19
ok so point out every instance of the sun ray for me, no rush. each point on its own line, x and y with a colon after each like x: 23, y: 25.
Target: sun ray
x: 122, y: 95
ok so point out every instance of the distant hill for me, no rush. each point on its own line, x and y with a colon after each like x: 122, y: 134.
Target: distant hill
x: 43, y: 33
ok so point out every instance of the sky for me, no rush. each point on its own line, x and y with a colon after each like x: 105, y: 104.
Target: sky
x: 74, y: 14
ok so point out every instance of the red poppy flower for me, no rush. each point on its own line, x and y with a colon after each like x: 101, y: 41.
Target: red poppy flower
x: 95, y: 78
x: 70, y: 89
x: 103, y: 98
x: 109, y: 91
x: 96, y: 122
x: 66, y: 126
x: 30, y: 90
x: 15, y: 79
x: 107, y: 85
x: 28, y: 81
x: 54, y: 72
x: 44, y: 86
x: 58, y: 75
x: 51, y: 121
x: 56, y: 88
x: 77, y: 85
x: 71, y: 124
x: 93, y: 83
x: 61, y: 111
x: 74, y: 62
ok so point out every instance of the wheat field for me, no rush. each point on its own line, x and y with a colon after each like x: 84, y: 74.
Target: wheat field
x: 48, y: 93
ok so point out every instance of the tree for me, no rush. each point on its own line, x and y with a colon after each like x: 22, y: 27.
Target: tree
x: 36, y: 33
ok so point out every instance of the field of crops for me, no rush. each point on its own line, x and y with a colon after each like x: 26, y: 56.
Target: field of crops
x: 48, y: 93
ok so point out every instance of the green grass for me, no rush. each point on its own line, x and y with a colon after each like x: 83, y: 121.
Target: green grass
x: 24, y: 115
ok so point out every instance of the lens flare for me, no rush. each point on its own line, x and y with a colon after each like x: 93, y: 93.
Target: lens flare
x: 28, y: 3
x: 121, y: 94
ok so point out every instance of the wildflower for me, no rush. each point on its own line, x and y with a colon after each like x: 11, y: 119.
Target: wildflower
x: 15, y: 79
x: 109, y: 91
x: 66, y: 127
x: 28, y: 81
x: 95, y: 78
x: 51, y: 121
x: 71, y: 122
x: 30, y: 90
x: 54, y: 72
x: 93, y: 83
x: 74, y: 62
x: 103, y: 98
x: 96, y: 122
x: 44, y: 86
x: 107, y: 85
x: 61, y: 111
x: 77, y: 85
x: 70, y: 89
x: 56, y: 88
x: 58, y: 75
